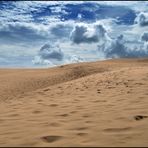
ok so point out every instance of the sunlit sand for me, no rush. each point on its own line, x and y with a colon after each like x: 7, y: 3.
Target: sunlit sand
x: 86, y: 104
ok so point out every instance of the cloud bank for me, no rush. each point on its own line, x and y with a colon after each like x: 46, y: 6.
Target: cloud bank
x: 74, y: 31
x: 52, y: 55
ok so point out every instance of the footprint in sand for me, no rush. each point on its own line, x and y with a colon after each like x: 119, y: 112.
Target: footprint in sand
x: 82, y: 134
x: 139, y: 84
x: 46, y: 89
x: 86, y: 116
x: 72, y: 112
x: 63, y: 115
x: 14, y: 115
x: 76, y: 100
x: 95, y: 101
x: 51, y: 139
x: 98, y: 91
x: 81, y: 90
x: 60, y: 87
x: 80, y: 107
x: 36, y: 112
x: 54, y: 124
x: 114, y: 130
x: 88, y: 121
x: 128, y: 92
x: 39, y: 100
x: 80, y: 128
x: 140, y: 117
x: 53, y: 105
x: 110, y: 87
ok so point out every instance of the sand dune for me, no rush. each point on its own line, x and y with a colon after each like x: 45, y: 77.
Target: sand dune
x: 86, y: 104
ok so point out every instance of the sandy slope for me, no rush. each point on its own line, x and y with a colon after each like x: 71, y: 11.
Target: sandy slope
x: 87, y: 104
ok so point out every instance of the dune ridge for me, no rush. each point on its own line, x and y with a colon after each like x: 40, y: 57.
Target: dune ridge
x: 86, y: 104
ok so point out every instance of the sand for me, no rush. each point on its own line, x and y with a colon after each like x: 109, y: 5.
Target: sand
x: 87, y: 104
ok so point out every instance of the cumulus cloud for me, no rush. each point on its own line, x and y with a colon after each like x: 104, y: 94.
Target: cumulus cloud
x: 52, y: 52
x: 144, y: 37
x: 25, y: 26
x: 118, y: 48
x: 52, y: 55
x: 142, y: 19
x: 87, y: 34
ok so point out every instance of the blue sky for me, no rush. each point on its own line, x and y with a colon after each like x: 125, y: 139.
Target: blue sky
x: 50, y: 33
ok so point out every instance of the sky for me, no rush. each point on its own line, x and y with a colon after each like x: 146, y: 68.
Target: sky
x: 52, y: 33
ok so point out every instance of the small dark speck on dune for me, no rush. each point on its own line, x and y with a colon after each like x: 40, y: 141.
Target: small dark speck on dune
x: 50, y: 139
x: 140, y: 117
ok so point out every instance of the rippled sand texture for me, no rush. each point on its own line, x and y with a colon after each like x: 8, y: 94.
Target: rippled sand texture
x: 87, y: 104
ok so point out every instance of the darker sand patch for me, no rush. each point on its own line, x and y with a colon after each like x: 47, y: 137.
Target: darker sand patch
x: 111, y: 87
x: 53, y: 105
x: 98, y: 91
x: 82, y: 134
x: 51, y: 139
x: 95, y: 101
x: 140, y: 117
x: 54, y: 124
x: 110, y: 130
x: 80, y: 128
x: 36, y: 111
x: 128, y: 92
x: 139, y: 84
x: 14, y: 115
x: 46, y: 89
x: 61, y: 66
x: 72, y: 112
x: 63, y: 115
x: 88, y: 121
x: 39, y: 100
x: 86, y: 116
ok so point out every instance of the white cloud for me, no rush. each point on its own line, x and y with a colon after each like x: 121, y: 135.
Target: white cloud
x: 26, y: 26
x: 52, y: 55
x: 142, y: 19
x: 135, y: 5
x: 76, y: 59
x: 119, y: 48
x: 39, y: 61
x: 84, y: 33
x: 52, y: 52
